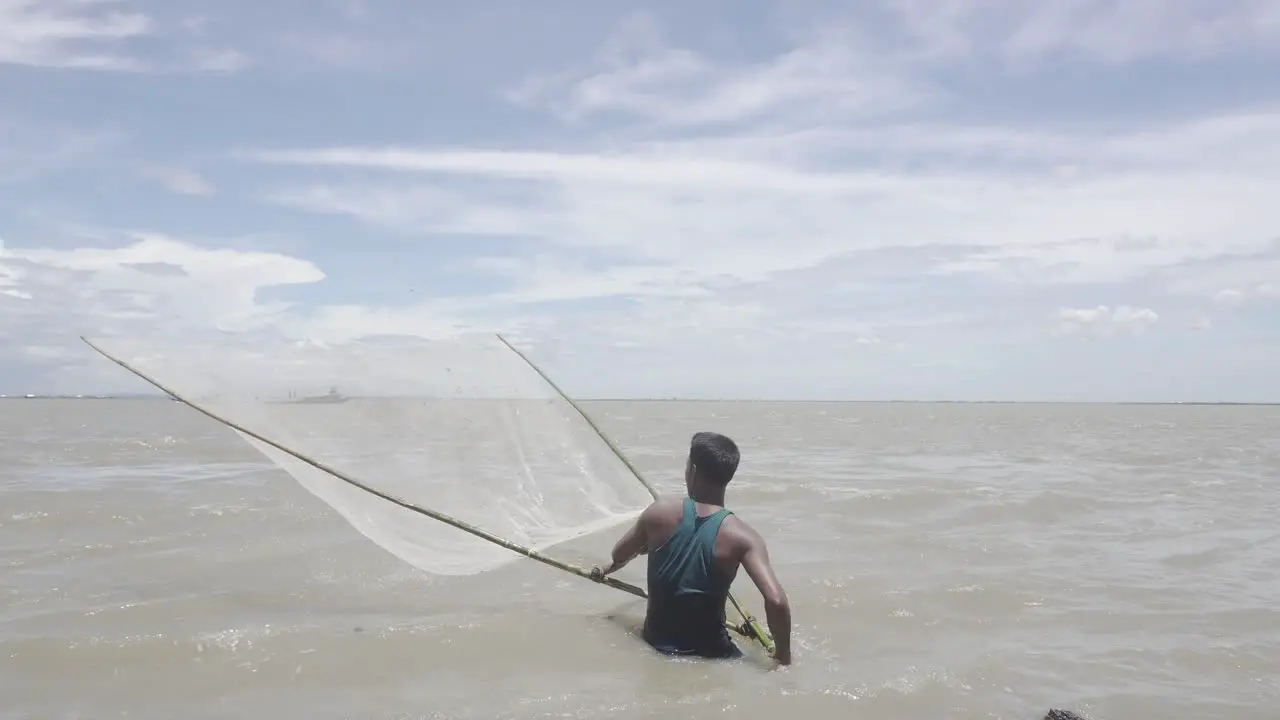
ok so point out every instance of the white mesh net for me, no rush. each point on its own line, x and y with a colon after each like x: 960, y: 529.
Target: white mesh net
x: 464, y: 427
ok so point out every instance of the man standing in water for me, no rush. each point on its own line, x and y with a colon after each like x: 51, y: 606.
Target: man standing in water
x: 695, y: 547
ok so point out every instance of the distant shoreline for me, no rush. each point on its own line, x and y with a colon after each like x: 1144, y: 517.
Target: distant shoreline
x: 741, y: 401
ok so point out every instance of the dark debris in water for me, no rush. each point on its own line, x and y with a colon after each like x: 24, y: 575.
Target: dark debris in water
x: 1064, y: 715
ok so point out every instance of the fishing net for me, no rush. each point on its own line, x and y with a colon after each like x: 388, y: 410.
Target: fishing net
x: 465, y: 427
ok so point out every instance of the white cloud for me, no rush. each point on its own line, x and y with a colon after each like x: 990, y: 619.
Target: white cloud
x: 632, y: 169
x: 1231, y: 298
x: 161, y: 287
x: 1106, y: 31
x: 1105, y: 321
x: 1248, y: 274
x: 10, y: 279
x: 638, y: 74
x: 1228, y: 298
x: 70, y: 34
x: 758, y: 213
x: 153, y: 282
x: 97, y: 35
x: 344, y: 323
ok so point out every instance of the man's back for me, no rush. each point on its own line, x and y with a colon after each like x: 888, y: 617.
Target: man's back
x: 692, y: 563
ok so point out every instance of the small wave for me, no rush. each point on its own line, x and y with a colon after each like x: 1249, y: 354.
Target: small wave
x: 220, y: 509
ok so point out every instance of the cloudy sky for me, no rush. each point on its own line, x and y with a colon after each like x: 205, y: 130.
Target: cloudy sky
x: 911, y: 199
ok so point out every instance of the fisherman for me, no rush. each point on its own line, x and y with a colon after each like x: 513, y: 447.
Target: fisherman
x: 695, y: 547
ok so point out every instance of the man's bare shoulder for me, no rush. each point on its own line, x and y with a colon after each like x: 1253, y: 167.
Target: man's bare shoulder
x: 662, y: 508
x: 741, y: 531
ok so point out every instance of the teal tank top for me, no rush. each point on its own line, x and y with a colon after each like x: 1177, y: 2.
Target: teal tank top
x: 687, y: 595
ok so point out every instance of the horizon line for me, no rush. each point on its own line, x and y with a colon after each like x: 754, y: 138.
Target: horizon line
x: 673, y: 399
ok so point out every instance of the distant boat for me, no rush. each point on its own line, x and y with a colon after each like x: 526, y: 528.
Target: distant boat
x: 332, y: 397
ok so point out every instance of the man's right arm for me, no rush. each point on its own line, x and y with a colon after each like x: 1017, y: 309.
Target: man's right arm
x: 777, y: 610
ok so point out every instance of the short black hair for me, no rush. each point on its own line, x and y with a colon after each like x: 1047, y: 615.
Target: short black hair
x: 715, y: 456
